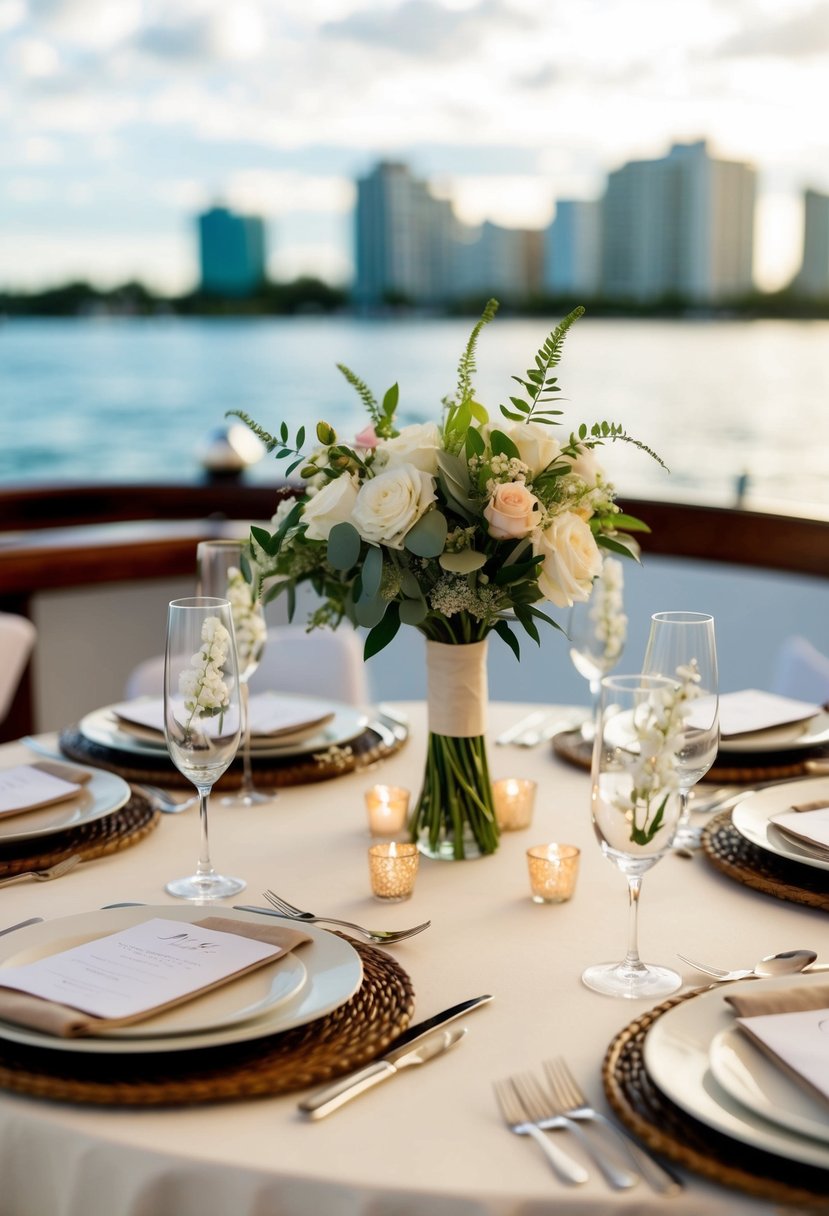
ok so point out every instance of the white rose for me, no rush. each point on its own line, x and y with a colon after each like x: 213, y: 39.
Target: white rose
x: 332, y: 504
x: 537, y: 447
x: 389, y: 504
x: 586, y: 466
x: 571, y: 560
x: 511, y: 512
x: 417, y: 445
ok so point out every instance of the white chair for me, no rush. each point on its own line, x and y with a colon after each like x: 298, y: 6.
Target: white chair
x: 323, y: 663
x: 17, y: 639
x: 801, y: 671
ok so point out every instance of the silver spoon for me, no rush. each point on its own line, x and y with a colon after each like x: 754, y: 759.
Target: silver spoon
x: 787, y: 962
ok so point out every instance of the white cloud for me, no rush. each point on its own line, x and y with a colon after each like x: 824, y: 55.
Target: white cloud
x: 264, y: 192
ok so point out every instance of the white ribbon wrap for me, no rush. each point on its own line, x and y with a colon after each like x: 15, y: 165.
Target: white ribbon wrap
x: 457, y: 689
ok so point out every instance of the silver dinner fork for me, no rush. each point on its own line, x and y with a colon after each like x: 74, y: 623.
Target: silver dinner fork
x: 546, y: 1110
x: 383, y: 937
x: 56, y: 871
x: 518, y: 1121
x: 575, y: 1106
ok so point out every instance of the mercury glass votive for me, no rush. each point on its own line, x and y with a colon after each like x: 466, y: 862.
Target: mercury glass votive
x: 553, y: 871
x: 387, y: 807
x: 514, y: 799
x: 393, y: 868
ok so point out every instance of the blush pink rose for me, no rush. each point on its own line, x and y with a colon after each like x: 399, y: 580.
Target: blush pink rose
x: 512, y: 511
x: 367, y: 438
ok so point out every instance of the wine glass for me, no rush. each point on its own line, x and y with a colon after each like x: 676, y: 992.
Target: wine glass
x: 635, y: 806
x: 202, y: 716
x: 597, y: 631
x: 220, y: 573
x: 678, y: 640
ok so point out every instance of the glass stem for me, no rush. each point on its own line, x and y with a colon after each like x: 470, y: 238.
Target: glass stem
x: 632, y: 959
x: 247, y: 772
x: 684, y: 819
x: 205, y: 867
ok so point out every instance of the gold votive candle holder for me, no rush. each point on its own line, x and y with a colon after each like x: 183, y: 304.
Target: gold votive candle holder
x: 387, y: 807
x: 553, y: 871
x: 393, y: 869
x: 514, y: 799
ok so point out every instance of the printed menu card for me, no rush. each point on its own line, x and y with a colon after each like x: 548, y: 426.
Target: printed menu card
x: 126, y: 976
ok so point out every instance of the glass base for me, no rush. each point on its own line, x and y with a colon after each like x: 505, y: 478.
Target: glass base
x: 687, y: 836
x: 206, y: 887
x: 445, y: 848
x: 249, y: 798
x: 633, y: 983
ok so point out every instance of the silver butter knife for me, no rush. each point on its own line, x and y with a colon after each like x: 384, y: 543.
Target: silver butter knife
x: 416, y: 1045
x: 21, y: 924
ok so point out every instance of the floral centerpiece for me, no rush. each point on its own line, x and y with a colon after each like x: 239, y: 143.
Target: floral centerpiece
x: 459, y: 527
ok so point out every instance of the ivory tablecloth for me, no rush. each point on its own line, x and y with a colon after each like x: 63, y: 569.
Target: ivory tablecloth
x: 430, y: 1141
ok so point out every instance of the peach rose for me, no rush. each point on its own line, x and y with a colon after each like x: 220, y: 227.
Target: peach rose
x: 512, y: 511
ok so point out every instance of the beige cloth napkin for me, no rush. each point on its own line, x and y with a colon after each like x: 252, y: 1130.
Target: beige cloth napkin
x: 64, y: 1022
x: 792, y: 999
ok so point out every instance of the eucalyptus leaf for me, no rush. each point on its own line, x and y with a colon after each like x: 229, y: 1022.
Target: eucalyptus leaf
x: 412, y: 612
x: 409, y: 585
x: 370, y: 610
x: 463, y: 562
x: 428, y: 536
x: 343, y: 546
x: 372, y: 571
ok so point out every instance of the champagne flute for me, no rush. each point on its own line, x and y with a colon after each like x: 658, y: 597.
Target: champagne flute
x: 597, y: 631
x: 679, y: 640
x: 635, y: 807
x: 220, y: 565
x: 202, y: 716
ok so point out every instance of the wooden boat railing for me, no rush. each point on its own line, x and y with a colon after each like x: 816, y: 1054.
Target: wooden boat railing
x: 79, y: 536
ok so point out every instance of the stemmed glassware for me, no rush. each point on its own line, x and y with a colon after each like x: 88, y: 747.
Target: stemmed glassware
x: 678, y: 641
x: 635, y: 806
x: 202, y: 716
x: 220, y: 565
x: 597, y: 631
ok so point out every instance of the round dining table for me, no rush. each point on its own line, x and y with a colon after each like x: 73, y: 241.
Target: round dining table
x: 430, y: 1140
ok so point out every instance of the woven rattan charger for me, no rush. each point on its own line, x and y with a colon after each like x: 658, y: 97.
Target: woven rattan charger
x: 327, y: 1047
x: 754, y: 867
x: 366, y: 749
x: 110, y: 834
x: 666, y: 1129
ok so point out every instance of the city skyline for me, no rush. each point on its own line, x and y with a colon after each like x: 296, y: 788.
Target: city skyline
x: 121, y: 119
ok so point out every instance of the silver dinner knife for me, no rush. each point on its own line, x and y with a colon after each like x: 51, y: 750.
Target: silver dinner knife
x: 21, y: 924
x: 416, y: 1045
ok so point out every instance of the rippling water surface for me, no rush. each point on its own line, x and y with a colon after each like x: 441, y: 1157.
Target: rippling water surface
x: 129, y: 400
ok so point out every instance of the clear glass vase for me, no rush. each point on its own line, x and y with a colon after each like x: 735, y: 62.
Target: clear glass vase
x: 454, y: 819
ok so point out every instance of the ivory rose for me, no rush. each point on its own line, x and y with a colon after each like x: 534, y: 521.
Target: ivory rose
x: 389, y: 504
x: 536, y: 446
x: 586, y: 466
x: 332, y: 504
x: 512, y: 511
x: 571, y: 560
x: 416, y: 445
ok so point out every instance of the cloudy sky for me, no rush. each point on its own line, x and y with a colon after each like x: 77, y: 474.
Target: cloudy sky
x: 119, y: 119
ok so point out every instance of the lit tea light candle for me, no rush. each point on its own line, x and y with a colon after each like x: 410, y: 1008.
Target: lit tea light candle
x: 514, y: 802
x: 553, y: 871
x: 393, y: 869
x: 388, y: 808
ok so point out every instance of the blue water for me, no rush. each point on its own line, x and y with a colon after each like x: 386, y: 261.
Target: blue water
x: 130, y: 400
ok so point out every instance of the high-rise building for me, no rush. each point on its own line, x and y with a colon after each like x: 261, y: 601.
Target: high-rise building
x: 682, y: 225
x: 812, y: 279
x: 232, y: 253
x: 572, y: 248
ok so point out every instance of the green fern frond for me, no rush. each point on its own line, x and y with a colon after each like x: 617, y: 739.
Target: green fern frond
x: 539, y: 385
x: 467, y: 366
x: 366, y: 395
x: 270, y: 441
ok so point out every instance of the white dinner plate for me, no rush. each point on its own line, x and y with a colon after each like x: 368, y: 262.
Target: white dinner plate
x: 747, y: 1074
x: 751, y: 818
x: 792, y: 737
x: 101, y: 795
x: 237, y: 1012
x: 676, y: 1056
x: 104, y: 728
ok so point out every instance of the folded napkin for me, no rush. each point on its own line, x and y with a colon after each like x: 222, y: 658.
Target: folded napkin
x: 807, y: 824
x: 270, y: 717
x: 65, y: 1021
x: 26, y: 787
x: 750, y: 710
x: 791, y: 1026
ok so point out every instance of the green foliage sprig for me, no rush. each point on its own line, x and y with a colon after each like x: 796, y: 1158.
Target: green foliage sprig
x: 538, y: 384
x: 382, y: 414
